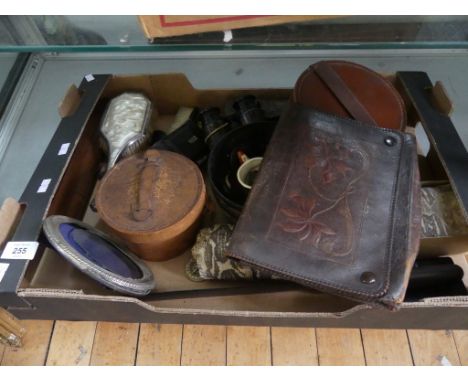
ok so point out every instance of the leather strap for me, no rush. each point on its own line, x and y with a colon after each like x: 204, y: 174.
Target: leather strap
x: 342, y: 92
x: 143, y: 209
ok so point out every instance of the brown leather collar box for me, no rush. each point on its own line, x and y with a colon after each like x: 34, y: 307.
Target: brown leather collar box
x: 162, y: 220
x: 333, y: 208
x: 349, y: 90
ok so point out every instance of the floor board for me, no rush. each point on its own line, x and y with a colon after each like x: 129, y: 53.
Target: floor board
x: 248, y: 345
x: 71, y: 343
x: 203, y: 345
x: 386, y: 347
x: 461, y: 342
x: 159, y: 345
x: 115, y: 343
x: 340, y: 347
x: 35, y: 345
x: 433, y: 347
x: 104, y: 343
x: 2, y: 350
x: 294, y: 346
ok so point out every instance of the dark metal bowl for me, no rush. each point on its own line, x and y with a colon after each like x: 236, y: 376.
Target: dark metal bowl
x: 223, y: 163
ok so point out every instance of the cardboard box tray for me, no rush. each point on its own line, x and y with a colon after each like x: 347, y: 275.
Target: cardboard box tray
x: 49, y: 288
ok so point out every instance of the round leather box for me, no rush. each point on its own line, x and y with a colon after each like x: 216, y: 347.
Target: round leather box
x: 352, y: 91
x: 153, y: 201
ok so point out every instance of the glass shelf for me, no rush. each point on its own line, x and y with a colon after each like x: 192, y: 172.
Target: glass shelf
x: 124, y: 33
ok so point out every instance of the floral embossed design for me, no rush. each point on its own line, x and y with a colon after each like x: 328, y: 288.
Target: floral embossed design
x: 301, y: 220
x: 317, y: 213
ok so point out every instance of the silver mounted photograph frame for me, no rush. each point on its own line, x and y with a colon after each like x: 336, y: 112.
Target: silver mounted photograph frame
x: 139, y: 287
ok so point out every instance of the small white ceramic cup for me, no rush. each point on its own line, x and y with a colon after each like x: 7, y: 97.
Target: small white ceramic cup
x: 245, y: 169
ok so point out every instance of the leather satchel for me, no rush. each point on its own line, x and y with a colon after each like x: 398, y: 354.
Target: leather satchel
x: 335, y: 206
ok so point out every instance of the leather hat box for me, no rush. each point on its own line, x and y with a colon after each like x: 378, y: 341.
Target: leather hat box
x: 47, y: 287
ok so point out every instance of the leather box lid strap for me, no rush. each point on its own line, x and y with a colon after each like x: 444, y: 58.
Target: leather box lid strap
x: 150, y: 192
x: 353, y: 91
x: 322, y: 211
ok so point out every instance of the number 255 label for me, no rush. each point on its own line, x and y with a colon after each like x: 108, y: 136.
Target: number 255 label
x: 20, y: 250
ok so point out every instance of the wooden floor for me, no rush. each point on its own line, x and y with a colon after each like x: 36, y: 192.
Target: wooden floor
x: 91, y: 343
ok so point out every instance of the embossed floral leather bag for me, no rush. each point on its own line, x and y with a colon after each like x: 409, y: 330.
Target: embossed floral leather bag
x: 335, y: 206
